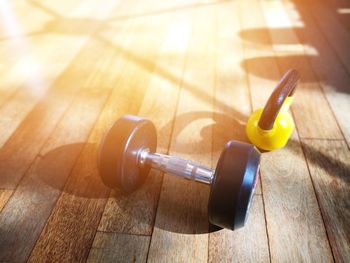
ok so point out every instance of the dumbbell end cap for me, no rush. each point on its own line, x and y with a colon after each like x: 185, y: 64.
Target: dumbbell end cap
x: 118, y: 155
x: 233, y: 185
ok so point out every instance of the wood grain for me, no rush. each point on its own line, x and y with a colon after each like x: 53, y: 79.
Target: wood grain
x: 34, y: 198
x: 27, y: 211
x: 181, y: 221
x: 335, y: 83
x: 260, y: 88
x: 25, y: 64
x: 232, y: 88
x: 340, y: 10
x: 292, y: 211
x: 26, y: 142
x: 112, y: 247
x: 135, y: 212
x: 329, y: 167
x: 248, y: 244
x: 339, y: 39
x: 314, y: 118
x: 30, y: 136
x: 196, y: 68
x: 35, y: 82
x: 4, y: 197
x: 84, y: 194
x: 291, y: 208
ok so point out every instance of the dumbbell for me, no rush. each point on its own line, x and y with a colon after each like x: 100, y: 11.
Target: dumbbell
x: 127, y: 153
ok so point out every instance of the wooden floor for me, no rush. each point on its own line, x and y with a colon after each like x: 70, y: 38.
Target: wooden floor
x: 197, y: 69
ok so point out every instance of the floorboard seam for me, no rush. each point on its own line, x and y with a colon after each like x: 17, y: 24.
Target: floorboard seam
x: 123, y: 233
x: 307, y: 7
x: 265, y: 219
x: 317, y: 26
x: 318, y: 202
x: 180, y: 88
x: 72, y: 168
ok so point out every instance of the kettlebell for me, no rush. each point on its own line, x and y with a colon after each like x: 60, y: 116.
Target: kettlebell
x: 270, y: 128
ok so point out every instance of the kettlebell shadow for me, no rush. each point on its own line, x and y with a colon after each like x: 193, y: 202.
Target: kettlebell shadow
x: 222, y: 126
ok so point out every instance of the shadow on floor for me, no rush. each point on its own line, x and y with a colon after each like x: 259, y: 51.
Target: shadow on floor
x: 56, y: 170
x: 224, y: 127
x: 330, y: 164
x: 62, y: 169
x: 319, y: 64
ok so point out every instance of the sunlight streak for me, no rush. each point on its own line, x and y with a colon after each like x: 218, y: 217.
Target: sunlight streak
x: 29, y: 69
x: 343, y: 11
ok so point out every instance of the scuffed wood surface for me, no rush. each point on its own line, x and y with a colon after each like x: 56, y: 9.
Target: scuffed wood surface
x: 330, y: 171
x: 4, y: 197
x: 248, y: 244
x: 113, y: 247
x: 292, y: 211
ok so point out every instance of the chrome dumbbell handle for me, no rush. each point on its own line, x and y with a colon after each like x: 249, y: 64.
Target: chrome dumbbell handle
x: 176, y: 166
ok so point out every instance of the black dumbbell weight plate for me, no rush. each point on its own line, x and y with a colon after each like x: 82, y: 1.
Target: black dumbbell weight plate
x: 233, y: 185
x: 118, y: 155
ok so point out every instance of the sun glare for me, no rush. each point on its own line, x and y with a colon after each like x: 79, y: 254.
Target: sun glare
x: 28, y: 66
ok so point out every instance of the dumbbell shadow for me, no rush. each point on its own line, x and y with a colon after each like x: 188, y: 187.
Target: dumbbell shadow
x: 61, y: 169
x: 55, y: 168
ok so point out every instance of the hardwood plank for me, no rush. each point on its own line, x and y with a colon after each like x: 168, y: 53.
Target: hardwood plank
x: 12, y: 13
x: 340, y: 9
x: 337, y: 34
x: 181, y: 221
x: 25, y: 54
x: 13, y: 16
x: 31, y: 80
x: 329, y: 167
x: 31, y: 204
x: 112, y: 247
x: 29, y: 137
x: 4, y: 197
x: 84, y: 194
x: 35, y: 128
x: 314, y: 118
x: 292, y: 212
x: 27, y: 211
x: 260, y: 90
x: 226, y: 245
x: 335, y: 80
x: 149, y: 86
x: 261, y: 81
x: 231, y: 98
x: 248, y: 244
x: 135, y: 212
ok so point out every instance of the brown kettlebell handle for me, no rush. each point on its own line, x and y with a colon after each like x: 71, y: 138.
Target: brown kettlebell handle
x: 285, y: 88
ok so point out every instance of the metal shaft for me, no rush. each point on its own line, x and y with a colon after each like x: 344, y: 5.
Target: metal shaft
x: 177, y: 166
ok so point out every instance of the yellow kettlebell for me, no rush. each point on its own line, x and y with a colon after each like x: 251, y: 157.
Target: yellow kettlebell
x: 270, y: 128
